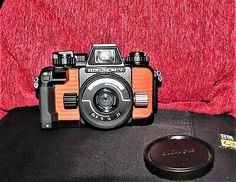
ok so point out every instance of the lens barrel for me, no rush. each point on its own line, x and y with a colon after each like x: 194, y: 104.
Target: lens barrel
x: 106, y: 101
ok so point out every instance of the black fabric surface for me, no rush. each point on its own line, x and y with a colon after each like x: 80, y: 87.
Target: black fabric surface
x: 84, y: 154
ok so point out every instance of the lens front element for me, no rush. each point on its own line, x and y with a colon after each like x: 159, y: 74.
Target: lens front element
x: 106, y: 100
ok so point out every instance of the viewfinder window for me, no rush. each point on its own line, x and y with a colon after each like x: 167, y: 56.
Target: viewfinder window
x: 105, y: 56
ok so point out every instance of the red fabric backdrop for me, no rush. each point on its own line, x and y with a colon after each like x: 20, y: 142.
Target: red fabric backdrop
x: 190, y: 42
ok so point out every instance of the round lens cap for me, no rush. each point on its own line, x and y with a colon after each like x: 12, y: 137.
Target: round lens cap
x: 179, y: 157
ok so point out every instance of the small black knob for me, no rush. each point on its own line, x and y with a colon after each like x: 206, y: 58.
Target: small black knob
x: 63, y: 58
x: 80, y: 59
x: 70, y: 100
x: 138, y: 58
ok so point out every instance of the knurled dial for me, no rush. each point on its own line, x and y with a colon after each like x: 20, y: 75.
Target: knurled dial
x: 138, y: 58
x: 140, y: 99
x: 70, y: 100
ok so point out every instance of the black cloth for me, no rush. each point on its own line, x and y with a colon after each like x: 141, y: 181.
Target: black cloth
x: 84, y: 154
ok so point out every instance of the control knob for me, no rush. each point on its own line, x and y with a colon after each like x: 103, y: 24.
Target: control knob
x: 140, y: 99
x: 70, y: 100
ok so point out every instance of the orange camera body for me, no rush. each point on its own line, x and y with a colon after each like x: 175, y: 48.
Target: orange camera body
x: 103, y: 89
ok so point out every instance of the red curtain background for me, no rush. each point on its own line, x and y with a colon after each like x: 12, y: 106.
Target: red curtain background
x: 190, y: 42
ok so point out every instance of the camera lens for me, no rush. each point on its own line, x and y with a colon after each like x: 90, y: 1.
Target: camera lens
x: 106, y: 100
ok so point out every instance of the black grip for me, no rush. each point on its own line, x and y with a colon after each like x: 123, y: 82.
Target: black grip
x: 48, y: 112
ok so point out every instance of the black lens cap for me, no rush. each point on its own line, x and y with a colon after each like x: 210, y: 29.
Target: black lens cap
x: 179, y: 157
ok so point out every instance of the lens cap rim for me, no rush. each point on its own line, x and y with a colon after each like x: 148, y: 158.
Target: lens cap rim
x: 171, y: 173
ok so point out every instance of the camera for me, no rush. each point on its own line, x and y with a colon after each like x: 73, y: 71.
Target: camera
x: 100, y: 89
